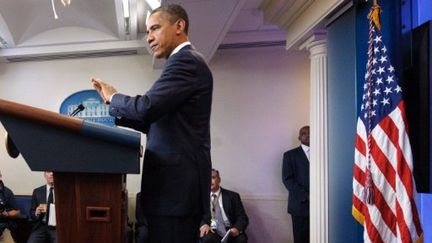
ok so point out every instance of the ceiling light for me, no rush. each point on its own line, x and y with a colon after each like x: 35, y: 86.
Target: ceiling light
x: 126, y: 8
x: 64, y: 2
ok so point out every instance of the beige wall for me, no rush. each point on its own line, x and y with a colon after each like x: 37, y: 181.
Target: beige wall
x: 261, y: 98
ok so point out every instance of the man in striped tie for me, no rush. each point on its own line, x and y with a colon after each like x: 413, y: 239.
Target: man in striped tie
x: 227, y: 215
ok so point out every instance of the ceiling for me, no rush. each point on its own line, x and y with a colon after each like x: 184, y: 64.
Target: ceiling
x: 29, y: 30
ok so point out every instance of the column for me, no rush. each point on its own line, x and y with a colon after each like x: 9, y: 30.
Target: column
x: 317, y: 47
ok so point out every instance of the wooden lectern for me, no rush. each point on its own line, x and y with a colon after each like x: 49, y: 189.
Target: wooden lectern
x: 90, y: 162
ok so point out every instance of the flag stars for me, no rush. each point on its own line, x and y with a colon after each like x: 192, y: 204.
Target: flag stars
x: 378, y: 39
x: 390, y: 79
x: 388, y: 90
x: 367, y: 104
x: 379, y: 81
x: 376, y: 92
x: 398, y: 89
x: 381, y: 88
x: 385, y: 101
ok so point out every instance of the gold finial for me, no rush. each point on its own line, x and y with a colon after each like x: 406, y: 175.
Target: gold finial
x: 374, y: 14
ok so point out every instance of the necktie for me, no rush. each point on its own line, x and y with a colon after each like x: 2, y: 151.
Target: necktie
x: 217, y: 216
x: 50, y: 201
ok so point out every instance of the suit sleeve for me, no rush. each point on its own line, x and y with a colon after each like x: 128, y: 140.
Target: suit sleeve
x: 177, y: 82
x: 206, y: 218
x: 137, y: 125
x: 241, y: 219
x: 289, y: 171
x: 34, y: 204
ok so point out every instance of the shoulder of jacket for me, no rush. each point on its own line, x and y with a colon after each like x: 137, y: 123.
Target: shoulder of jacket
x: 229, y: 192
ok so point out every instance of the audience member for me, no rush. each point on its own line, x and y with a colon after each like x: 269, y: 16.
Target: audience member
x: 8, y: 210
x: 227, y: 215
x: 42, y: 212
x: 295, y: 176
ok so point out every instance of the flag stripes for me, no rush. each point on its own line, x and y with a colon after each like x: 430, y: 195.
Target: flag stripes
x: 383, y: 184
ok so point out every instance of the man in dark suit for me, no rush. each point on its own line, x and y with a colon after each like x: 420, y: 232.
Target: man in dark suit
x: 43, y: 229
x: 295, y: 176
x: 232, y: 217
x: 175, y: 115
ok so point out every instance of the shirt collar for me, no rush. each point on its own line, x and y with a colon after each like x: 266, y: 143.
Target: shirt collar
x: 305, y: 148
x: 48, y: 189
x: 177, y: 49
x: 216, y: 192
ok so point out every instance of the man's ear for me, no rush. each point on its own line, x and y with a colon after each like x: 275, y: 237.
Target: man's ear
x: 180, y: 25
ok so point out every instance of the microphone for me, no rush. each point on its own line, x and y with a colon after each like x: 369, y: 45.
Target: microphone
x: 77, y: 110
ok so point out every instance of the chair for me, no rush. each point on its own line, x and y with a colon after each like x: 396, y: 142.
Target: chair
x: 24, y: 203
x: 23, y: 222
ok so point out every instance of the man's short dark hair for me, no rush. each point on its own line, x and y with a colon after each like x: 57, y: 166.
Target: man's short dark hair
x: 174, y: 12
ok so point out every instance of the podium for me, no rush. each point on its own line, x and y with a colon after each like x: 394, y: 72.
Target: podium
x: 90, y: 162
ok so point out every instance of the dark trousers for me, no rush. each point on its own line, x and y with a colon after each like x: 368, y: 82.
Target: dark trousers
x: 300, y: 229
x: 168, y: 229
x: 141, y: 234
x: 215, y: 238
x: 43, y: 234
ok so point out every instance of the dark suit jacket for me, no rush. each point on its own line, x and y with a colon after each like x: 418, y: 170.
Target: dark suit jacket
x: 295, y: 176
x: 39, y: 196
x: 175, y: 115
x: 234, y: 210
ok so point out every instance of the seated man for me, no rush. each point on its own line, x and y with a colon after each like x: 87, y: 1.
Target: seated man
x: 8, y: 209
x: 227, y: 215
x: 43, y: 229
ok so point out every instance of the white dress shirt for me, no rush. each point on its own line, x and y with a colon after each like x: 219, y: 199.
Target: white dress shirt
x: 219, y: 198
x: 306, y: 150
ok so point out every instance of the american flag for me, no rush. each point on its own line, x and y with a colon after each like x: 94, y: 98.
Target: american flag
x: 383, y: 184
